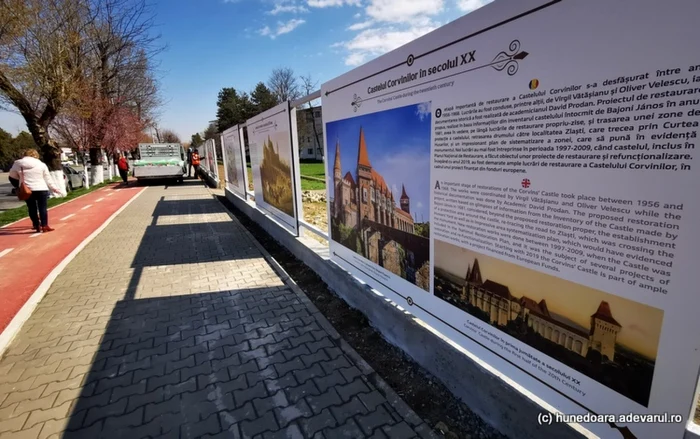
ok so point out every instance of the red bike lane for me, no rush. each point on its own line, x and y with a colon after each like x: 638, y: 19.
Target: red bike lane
x: 27, y: 258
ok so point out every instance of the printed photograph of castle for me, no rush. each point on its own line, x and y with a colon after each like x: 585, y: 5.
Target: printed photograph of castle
x: 607, y: 338
x: 379, y: 198
x: 232, y: 151
x: 276, y: 172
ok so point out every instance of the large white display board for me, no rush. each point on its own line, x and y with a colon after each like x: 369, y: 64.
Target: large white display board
x: 523, y: 179
x: 275, y: 162
x: 209, y: 162
x: 234, y: 161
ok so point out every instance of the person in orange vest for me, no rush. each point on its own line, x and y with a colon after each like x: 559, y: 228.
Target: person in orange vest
x: 123, y: 165
x: 195, y: 162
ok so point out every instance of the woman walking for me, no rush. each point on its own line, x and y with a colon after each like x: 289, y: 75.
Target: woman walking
x: 36, y: 176
x: 123, y: 166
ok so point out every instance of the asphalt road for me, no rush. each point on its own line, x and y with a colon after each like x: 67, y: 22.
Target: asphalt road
x: 7, y: 201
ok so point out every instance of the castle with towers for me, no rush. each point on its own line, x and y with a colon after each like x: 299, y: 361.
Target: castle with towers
x: 502, y: 307
x: 367, y: 195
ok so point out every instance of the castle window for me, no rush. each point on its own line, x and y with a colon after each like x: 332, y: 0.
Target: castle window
x: 372, y: 195
x: 364, y: 194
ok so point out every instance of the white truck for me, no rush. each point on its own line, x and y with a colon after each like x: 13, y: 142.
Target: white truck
x: 160, y: 161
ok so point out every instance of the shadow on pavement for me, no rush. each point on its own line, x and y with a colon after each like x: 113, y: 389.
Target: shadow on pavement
x: 186, y: 206
x: 17, y: 230
x: 183, y: 365
x: 187, y: 236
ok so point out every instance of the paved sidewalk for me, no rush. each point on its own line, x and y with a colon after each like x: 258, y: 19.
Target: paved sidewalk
x: 171, y: 323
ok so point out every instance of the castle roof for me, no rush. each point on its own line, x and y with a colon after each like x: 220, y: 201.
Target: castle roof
x: 497, y: 289
x: 349, y: 179
x: 337, y: 155
x: 362, y: 156
x: 474, y: 273
x: 540, y: 310
x: 568, y: 324
x: 403, y: 192
x: 380, y: 184
x: 403, y: 213
x: 603, y: 313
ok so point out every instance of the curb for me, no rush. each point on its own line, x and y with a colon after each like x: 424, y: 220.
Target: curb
x: 392, y: 398
x: 27, y: 309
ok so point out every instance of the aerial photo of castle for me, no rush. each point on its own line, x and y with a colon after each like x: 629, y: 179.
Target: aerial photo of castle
x: 610, y: 339
x: 367, y: 216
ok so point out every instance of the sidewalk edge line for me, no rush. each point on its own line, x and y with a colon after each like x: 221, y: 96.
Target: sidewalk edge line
x: 59, y: 205
x: 27, y: 309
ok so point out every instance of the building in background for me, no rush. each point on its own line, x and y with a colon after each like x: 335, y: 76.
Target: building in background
x: 310, y: 140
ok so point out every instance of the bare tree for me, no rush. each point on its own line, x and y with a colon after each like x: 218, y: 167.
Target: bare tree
x: 283, y: 84
x: 121, y: 46
x: 42, y: 48
x: 169, y: 136
x: 308, y: 86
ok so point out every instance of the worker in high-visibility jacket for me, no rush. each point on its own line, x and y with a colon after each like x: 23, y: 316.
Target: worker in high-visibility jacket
x: 195, y: 162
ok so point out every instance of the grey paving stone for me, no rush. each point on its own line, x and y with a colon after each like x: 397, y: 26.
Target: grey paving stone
x: 124, y: 422
x: 210, y: 425
x: 316, y: 423
x: 289, y: 414
x: 288, y: 366
x: 263, y: 405
x: 348, y: 430
x: 291, y: 432
x: 354, y: 388
x: 245, y: 395
x: 287, y: 381
x: 376, y: 418
x: 400, y: 431
x: 185, y: 331
x: 263, y: 423
x: 328, y: 381
x: 231, y: 418
x: 296, y: 393
x: 315, y: 346
x: 350, y: 409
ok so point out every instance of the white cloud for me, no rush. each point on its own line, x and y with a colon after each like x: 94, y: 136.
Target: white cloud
x: 470, y: 5
x: 286, y: 7
x: 331, y: 3
x: 361, y: 25
x: 376, y: 41
x: 388, y: 24
x: 402, y: 11
x: 423, y: 110
x: 284, y: 28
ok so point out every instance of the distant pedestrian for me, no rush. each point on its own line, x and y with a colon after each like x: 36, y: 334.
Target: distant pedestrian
x: 189, y: 162
x: 195, y: 160
x: 37, y: 178
x: 123, y: 166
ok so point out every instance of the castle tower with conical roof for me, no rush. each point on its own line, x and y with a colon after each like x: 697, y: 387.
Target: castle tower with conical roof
x: 365, y: 185
x: 405, y: 201
x: 604, y: 330
x: 337, y: 170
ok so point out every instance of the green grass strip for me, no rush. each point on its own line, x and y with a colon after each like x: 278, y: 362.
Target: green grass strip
x: 16, y: 214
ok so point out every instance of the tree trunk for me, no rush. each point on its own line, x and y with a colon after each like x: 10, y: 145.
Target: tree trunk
x: 96, y: 171
x: 51, y: 155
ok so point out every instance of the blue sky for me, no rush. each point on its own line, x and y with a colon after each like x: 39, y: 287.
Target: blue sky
x: 237, y: 43
x: 398, y: 145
